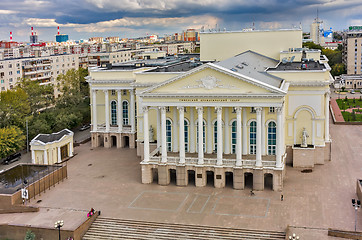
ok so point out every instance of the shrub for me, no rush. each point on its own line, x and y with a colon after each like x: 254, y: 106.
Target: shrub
x: 29, y: 235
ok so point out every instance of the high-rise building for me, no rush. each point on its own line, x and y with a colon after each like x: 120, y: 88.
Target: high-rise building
x: 352, y: 49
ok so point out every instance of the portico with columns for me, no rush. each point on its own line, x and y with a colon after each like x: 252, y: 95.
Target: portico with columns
x: 241, y: 132
x: 113, y: 115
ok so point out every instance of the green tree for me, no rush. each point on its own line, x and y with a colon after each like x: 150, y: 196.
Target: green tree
x: 14, y: 107
x: 11, y: 140
x: 338, y: 69
x: 29, y: 235
x: 39, y: 96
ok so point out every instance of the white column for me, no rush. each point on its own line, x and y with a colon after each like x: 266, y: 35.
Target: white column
x: 192, y: 131
x: 258, y: 137
x: 245, y: 133
x: 119, y: 111
x: 227, y: 132
x: 238, y: 137
x: 163, y: 135
x: 71, y: 149
x: 182, y: 134
x: 279, y: 143
x: 33, y: 156
x: 174, y: 131
x: 158, y: 128
x: 146, y: 137
x: 219, y: 135
x: 201, y: 135
x: 45, y: 157
x: 209, y: 132
x: 133, y: 124
x: 59, y: 155
x: 106, y: 102
x: 326, y: 123
x: 94, y: 107
x: 263, y: 131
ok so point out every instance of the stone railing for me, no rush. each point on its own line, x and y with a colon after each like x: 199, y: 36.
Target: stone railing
x: 209, y: 161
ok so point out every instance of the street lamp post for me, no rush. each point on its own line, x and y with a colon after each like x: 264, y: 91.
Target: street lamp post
x: 59, y: 224
x: 356, y: 204
x: 294, y: 237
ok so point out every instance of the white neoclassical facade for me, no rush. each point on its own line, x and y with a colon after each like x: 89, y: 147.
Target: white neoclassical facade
x: 237, y: 120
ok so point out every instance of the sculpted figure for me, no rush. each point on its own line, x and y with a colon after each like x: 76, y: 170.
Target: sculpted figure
x: 304, y: 138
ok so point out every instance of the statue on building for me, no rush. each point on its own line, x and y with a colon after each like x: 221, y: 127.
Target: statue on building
x: 304, y: 138
x: 150, y: 134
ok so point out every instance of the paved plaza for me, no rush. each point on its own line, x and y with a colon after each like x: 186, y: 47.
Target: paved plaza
x: 110, y: 180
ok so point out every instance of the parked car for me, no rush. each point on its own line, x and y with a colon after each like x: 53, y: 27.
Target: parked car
x: 12, y: 158
x: 353, y: 92
x: 84, y: 127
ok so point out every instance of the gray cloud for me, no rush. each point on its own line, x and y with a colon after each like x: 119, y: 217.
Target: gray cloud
x: 231, y: 14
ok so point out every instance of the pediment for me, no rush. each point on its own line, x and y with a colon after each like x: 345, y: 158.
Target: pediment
x: 211, y: 79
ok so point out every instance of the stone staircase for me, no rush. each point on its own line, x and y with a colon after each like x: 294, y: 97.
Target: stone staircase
x: 110, y: 228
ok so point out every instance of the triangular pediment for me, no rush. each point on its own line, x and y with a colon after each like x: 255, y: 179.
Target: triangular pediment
x: 211, y: 79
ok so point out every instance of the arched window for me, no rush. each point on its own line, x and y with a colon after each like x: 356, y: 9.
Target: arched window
x: 125, y: 112
x: 168, y: 135
x: 233, y: 137
x: 113, y: 113
x: 186, y: 131
x: 272, y: 138
x: 252, y: 138
x: 197, y: 135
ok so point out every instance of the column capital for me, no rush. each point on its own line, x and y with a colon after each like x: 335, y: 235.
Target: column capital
x: 328, y: 92
x: 163, y: 109
x: 131, y: 90
x: 94, y: 90
x: 199, y: 109
x: 258, y: 109
x: 106, y: 91
x: 119, y: 90
x: 181, y: 109
x: 218, y: 109
x: 238, y: 109
x: 279, y: 109
x: 145, y: 109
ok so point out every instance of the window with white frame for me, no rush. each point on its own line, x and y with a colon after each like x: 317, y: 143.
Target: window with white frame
x: 272, y: 138
x: 252, y: 137
x: 272, y: 109
x: 233, y: 137
x: 197, y: 134
x: 113, y: 92
x: 125, y: 112
x: 168, y: 135
x: 186, y: 132
x: 113, y: 113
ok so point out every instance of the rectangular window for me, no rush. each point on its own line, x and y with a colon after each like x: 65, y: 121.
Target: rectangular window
x: 10, y: 73
x: 252, y: 110
x: 124, y: 92
x: 167, y: 109
x: 113, y: 92
x: 272, y: 109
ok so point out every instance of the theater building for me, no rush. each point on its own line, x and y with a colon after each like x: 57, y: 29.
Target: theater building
x: 239, y: 117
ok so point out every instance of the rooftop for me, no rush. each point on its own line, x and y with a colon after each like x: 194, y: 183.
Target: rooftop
x: 299, y: 66
x: 253, y: 65
x: 47, y: 138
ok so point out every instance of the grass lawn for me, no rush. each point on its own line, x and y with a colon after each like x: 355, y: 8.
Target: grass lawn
x: 344, y: 104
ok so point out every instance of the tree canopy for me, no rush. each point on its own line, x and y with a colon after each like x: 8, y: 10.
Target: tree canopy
x: 11, y: 140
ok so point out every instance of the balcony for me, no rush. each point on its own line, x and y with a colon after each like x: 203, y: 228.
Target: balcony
x: 113, y: 129
x: 210, y: 160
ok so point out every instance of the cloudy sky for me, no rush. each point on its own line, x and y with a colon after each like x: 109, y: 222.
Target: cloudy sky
x: 81, y: 19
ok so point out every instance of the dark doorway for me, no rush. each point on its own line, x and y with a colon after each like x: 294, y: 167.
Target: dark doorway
x: 229, y: 179
x: 126, y: 141
x: 155, y: 175
x: 210, y: 178
x: 64, y: 152
x: 173, y: 176
x: 101, y: 141
x: 248, y: 180
x: 114, y: 141
x: 191, y: 176
x: 268, y: 181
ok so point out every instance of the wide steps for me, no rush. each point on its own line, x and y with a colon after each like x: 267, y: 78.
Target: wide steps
x: 110, y: 228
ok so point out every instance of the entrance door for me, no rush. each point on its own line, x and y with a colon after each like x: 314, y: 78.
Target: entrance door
x: 64, y: 152
x: 114, y: 141
x: 126, y: 142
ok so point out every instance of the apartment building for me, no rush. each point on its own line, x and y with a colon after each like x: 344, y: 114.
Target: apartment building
x: 352, y: 49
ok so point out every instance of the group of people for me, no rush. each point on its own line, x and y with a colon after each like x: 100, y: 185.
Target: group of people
x: 91, y: 212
